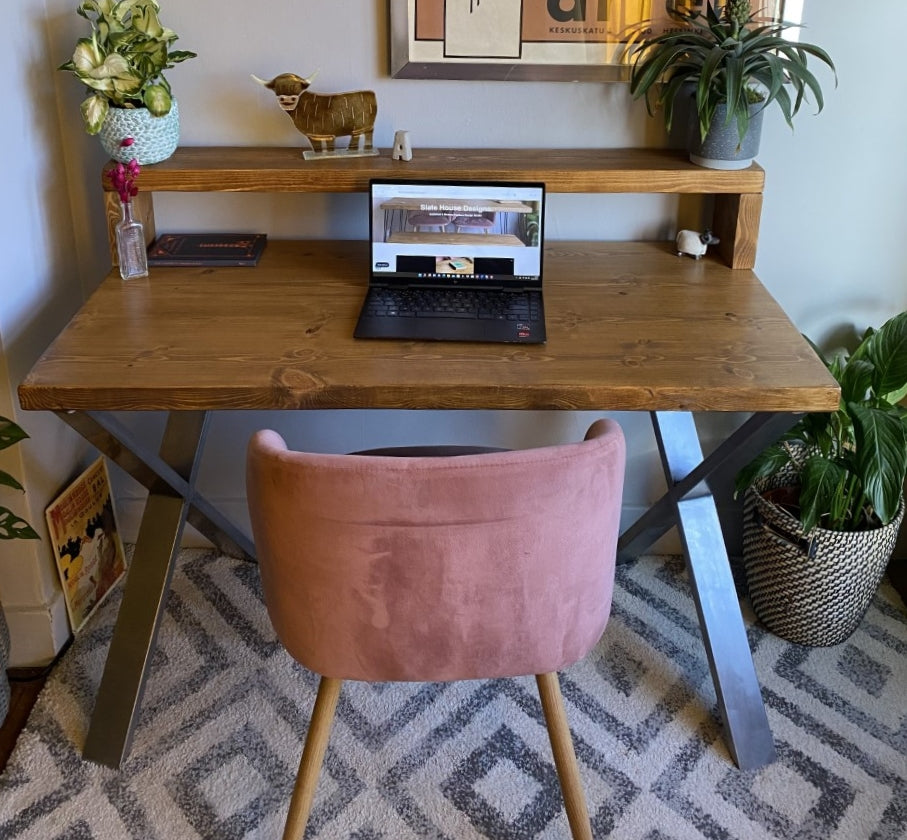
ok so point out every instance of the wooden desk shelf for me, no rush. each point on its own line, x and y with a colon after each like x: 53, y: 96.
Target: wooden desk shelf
x: 738, y: 194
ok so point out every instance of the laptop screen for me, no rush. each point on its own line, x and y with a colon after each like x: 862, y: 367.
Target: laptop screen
x: 463, y: 233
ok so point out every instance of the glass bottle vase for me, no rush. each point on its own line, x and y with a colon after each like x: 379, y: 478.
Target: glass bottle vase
x: 131, y: 253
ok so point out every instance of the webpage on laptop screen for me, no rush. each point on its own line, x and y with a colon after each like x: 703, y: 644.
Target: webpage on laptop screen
x: 457, y: 232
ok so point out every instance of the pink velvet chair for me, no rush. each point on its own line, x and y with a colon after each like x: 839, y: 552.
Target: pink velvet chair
x: 432, y: 567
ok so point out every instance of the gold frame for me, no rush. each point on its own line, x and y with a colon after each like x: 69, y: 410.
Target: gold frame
x: 579, y: 59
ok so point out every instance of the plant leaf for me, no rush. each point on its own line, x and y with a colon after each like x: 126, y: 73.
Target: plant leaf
x: 94, y: 110
x: 886, y: 348
x: 13, y: 527
x: 87, y: 55
x: 820, y: 483
x: 881, y: 457
x: 767, y: 463
x: 9, y: 481
x: 176, y: 56
x: 10, y: 433
x: 856, y: 380
x: 157, y: 100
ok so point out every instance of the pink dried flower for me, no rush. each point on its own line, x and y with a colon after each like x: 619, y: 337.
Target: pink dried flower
x: 123, y: 178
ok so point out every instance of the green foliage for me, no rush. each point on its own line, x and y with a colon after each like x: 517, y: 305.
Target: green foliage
x: 851, y: 463
x: 12, y: 527
x: 122, y: 64
x: 731, y: 60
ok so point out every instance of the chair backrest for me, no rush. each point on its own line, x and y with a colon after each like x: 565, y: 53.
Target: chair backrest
x: 438, y: 568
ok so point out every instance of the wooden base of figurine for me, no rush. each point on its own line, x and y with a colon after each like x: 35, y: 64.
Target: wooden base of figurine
x: 309, y: 154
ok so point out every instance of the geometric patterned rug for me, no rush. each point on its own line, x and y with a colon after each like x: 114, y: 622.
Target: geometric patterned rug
x: 219, y: 739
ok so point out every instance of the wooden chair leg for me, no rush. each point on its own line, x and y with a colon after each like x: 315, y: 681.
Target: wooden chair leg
x: 316, y: 743
x: 564, y: 756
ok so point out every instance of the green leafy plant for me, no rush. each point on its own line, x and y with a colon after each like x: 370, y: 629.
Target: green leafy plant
x: 731, y: 59
x: 12, y: 527
x: 122, y: 64
x: 850, y: 463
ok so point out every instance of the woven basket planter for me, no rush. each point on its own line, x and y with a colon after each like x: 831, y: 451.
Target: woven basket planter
x: 811, y: 589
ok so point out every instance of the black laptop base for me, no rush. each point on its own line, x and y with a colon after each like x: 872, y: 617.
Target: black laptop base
x: 507, y: 327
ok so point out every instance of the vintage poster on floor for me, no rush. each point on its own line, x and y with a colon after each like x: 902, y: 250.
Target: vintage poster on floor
x: 86, y: 541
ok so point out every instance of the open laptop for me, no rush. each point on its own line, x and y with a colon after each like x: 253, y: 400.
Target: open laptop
x: 455, y: 261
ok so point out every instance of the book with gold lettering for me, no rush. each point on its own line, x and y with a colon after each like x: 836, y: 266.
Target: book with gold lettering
x: 188, y: 249
x: 86, y: 542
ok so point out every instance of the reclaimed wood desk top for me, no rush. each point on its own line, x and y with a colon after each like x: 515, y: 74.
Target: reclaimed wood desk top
x: 631, y: 326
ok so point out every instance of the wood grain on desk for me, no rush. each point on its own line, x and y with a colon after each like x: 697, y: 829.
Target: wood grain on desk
x: 631, y: 326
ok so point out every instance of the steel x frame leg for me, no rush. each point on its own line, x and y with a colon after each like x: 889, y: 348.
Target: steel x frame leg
x: 170, y: 477
x: 689, y: 504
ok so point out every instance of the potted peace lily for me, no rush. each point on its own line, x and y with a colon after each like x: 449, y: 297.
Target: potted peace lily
x: 723, y: 67
x: 824, y: 504
x: 12, y: 527
x: 122, y: 65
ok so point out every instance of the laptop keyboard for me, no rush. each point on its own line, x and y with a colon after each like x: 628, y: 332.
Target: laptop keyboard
x: 455, y: 303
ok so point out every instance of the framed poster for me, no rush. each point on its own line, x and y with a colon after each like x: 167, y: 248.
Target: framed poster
x: 528, y: 40
x: 86, y: 542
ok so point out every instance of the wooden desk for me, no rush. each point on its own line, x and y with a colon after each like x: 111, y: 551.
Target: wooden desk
x: 631, y: 327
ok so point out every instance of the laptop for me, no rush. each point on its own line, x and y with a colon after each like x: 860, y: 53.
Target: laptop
x: 455, y: 261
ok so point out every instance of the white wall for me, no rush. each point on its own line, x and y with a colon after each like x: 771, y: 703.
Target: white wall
x: 830, y: 248
x: 40, y: 289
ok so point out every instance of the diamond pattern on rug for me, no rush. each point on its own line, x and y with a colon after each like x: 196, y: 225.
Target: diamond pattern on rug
x: 226, y: 710
x: 502, y: 787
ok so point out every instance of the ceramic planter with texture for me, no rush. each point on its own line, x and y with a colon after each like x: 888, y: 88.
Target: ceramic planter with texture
x: 811, y: 589
x: 722, y: 147
x: 156, y: 138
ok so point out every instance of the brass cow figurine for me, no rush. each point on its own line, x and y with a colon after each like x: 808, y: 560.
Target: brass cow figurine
x: 324, y: 117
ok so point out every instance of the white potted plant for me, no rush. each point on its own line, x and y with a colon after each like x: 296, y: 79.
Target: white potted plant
x: 730, y: 67
x: 12, y: 527
x: 122, y: 65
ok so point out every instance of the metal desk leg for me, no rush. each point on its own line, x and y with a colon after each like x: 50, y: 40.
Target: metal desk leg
x: 756, y: 433
x: 730, y: 659
x: 132, y: 455
x: 120, y: 693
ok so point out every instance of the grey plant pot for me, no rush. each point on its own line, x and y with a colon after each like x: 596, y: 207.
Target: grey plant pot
x: 722, y: 147
x: 4, y: 662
